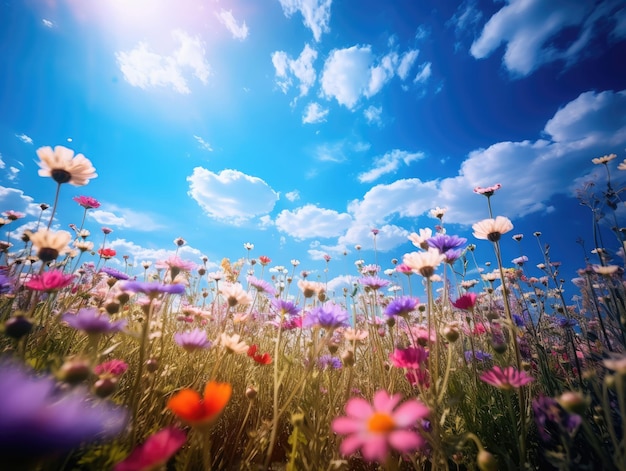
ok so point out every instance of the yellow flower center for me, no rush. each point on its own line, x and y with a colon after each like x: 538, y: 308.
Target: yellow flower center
x: 380, y: 423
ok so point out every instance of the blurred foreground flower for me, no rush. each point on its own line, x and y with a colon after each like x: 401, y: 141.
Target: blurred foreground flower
x: 64, y: 167
x: 49, y: 281
x: 199, y: 411
x: 506, y: 379
x: 49, y: 244
x: 492, y: 229
x: 93, y: 322
x: 375, y: 428
x: 37, y: 420
x: 154, y: 452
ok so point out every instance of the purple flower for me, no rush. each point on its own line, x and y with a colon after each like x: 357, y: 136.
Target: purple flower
x: 153, y: 288
x: 552, y: 419
x: 373, y: 282
x: 328, y: 362
x: 445, y: 242
x: 452, y: 255
x: 519, y: 320
x: 192, y: 340
x: 285, y: 307
x: 92, y: 322
x: 37, y: 419
x: 329, y: 316
x: 112, y: 272
x: 261, y: 286
x: 6, y: 283
x: 478, y: 355
x: 401, y: 306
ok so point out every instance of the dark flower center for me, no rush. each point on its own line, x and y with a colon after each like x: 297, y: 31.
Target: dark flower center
x: 494, y: 236
x: 47, y: 254
x: 61, y: 176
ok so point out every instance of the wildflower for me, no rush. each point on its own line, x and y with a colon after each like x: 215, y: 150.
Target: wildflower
x: 248, y: 246
x: 193, y: 340
x: 106, y: 253
x: 13, y: 215
x: 520, y: 260
x: 552, y: 420
x: 328, y: 362
x: 424, y: 263
x: 235, y: 294
x: 199, y: 411
x: 261, y: 286
x: 310, y: 288
x: 492, y: 229
x: 352, y: 335
x: 113, y: 273
x: 437, y: 212
x: 605, y: 270
x: 487, y: 191
x: 445, y: 242
x: 233, y: 344
x: 38, y: 420
x: 285, y: 307
x: 111, y: 367
x: 604, y: 159
x: 409, y: 358
x: 373, y: 282
x: 92, y: 322
x: 153, y: 288
x: 477, y: 355
x: 264, y: 260
x: 329, y: 316
x: 64, y: 167
x: 83, y: 245
x: 264, y: 359
x: 506, y: 379
x: 622, y: 166
x: 155, y: 452
x: 175, y: 264
x: 466, y: 301
x: 49, y: 281
x: 377, y: 427
x: 87, y: 202
x: 518, y: 237
x: 401, y: 306
x: 616, y: 363
x: 49, y: 244
x: 179, y: 242
x: 106, y: 230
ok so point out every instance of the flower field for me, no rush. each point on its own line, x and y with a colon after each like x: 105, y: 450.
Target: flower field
x: 184, y: 368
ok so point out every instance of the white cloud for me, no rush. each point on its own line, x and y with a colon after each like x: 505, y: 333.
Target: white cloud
x: 137, y: 253
x: 529, y: 28
x: 227, y: 19
x: 15, y: 199
x: 113, y: 215
x: 389, y: 163
x: 407, y: 61
x: 338, y: 151
x: 346, y: 74
x: 203, y: 144
x: 381, y: 74
x: 424, y: 73
x: 145, y: 69
x: 2, y: 164
x: 300, y: 68
x: 310, y: 222
x: 373, y: 114
x: 292, y: 195
x: 389, y: 236
x: 47, y: 23
x: 230, y: 195
x: 314, y: 113
x: 13, y: 171
x: 24, y: 138
x: 315, y: 14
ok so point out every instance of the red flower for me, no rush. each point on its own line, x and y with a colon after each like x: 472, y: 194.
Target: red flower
x: 264, y: 260
x: 155, y: 451
x: 264, y: 359
x: 201, y: 411
x: 107, y: 253
x: 465, y: 302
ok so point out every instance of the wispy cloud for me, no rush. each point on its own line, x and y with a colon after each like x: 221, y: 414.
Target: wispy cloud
x: 227, y: 19
x: 145, y: 69
x: 203, y: 144
x: 373, y: 114
x: 314, y: 113
x: 230, y: 195
x: 292, y: 195
x: 315, y: 14
x: 389, y: 163
x: 424, y: 73
x: 116, y: 216
x: 47, y: 23
x: 301, y: 68
x: 24, y: 138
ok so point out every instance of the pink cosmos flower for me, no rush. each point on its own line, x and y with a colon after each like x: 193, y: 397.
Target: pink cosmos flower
x: 111, y: 367
x: 107, y: 230
x: 154, y: 452
x: 411, y: 357
x: 466, y: 301
x: 13, y: 215
x: 487, y: 191
x: 87, y: 202
x: 49, y: 281
x: 506, y: 379
x: 327, y: 258
x: 383, y: 425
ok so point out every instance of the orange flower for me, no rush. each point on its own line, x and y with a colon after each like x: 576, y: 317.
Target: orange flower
x: 201, y: 411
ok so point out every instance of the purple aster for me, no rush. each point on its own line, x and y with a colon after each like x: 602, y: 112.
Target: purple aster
x: 328, y: 362
x: 193, y: 340
x: 452, y: 255
x: 445, y: 242
x: 92, y: 322
x: 38, y: 420
x: 261, y: 286
x: 286, y: 308
x: 552, y: 419
x: 565, y: 322
x: 518, y: 320
x: 6, y: 283
x: 329, y: 316
x: 478, y: 355
x: 153, y: 288
x: 373, y: 282
x: 401, y: 306
x: 112, y: 272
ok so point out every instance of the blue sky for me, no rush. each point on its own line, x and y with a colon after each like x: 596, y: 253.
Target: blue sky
x: 301, y: 125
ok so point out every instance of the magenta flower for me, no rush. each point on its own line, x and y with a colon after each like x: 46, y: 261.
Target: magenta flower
x: 87, y: 202
x: 154, y: 452
x: 465, y: 302
x: 506, y: 379
x: 383, y: 425
x: 111, y: 367
x: 411, y: 357
x: 49, y: 281
x: 92, y: 322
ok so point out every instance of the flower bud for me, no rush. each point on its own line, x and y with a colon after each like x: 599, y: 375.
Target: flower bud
x: 347, y: 358
x: 451, y: 332
x: 17, y: 327
x: 251, y: 393
x: 499, y: 347
x: 74, y: 371
x: 152, y: 365
x: 486, y: 461
x: 573, y: 402
x: 105, y: 386
x: 112, y: 307
x: 123, y: 298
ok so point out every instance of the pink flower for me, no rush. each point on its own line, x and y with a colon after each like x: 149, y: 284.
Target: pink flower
x: 411, y: 357
x: 487, y: 191
x: 111, y: 367
x: 377, y: 427
x: 13, y: 215
x: 506, y: 379
x: 107, y: 230
x: 465, y: 302
x: 154, y: 452
x: 87, y: 202
x: 327, y: 258
x: 50, y: 281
